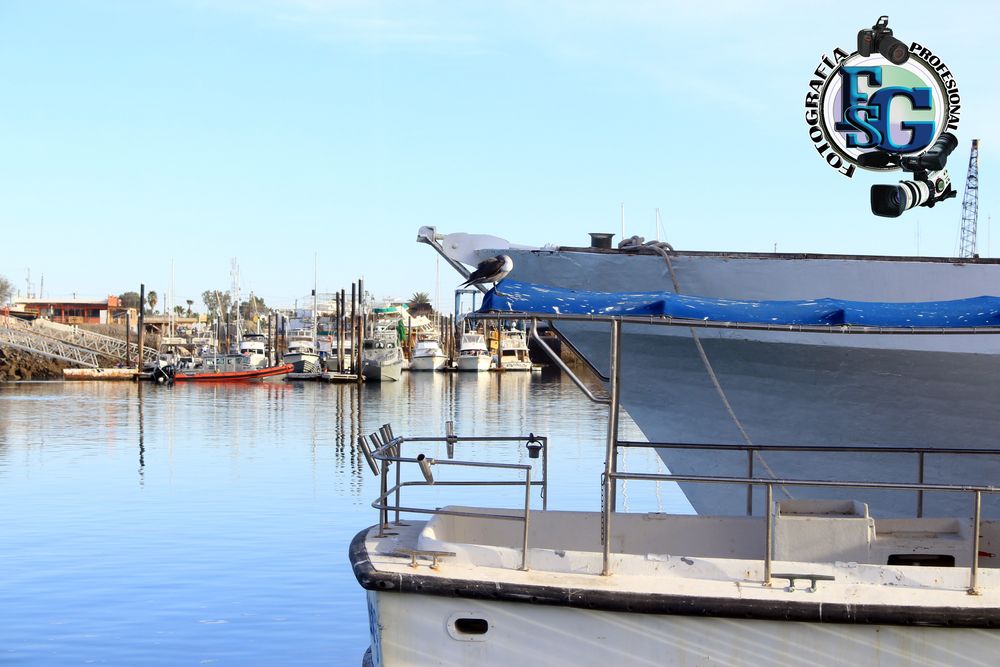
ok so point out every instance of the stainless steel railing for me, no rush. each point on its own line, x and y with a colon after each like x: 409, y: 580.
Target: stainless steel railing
x: 383, y: 450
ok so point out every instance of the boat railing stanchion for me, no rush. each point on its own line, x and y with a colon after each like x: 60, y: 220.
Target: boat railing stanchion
x: 545, y: 472
x: 768, y: 528
x: 527, y: 516
x: 750, y: 452
x: 611, y: 454
x: 383, y: 513
x: 920, y: 480
x: 974, y: 574
x: 450, y: 438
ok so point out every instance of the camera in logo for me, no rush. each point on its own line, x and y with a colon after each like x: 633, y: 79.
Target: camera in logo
x: 880, y: 107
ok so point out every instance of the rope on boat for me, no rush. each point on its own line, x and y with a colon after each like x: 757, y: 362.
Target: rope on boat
x: 664, y: 249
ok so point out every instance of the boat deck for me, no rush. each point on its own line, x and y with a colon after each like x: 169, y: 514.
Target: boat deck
x: 675, y: 564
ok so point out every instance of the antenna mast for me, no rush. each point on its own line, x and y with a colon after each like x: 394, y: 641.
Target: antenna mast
x: 970, y: 205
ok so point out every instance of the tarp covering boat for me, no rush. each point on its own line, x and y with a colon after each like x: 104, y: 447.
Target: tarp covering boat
x: 982, y: 311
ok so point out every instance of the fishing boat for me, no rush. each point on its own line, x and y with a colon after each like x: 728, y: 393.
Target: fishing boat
x: 472, y: 353
x: 785, y: 580
x: 302, y: 354
x: 513, y: 351
x: 253, y: 346
x: 747, y: 387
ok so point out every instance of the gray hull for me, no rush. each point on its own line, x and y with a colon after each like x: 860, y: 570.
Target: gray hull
x: 801, y: 389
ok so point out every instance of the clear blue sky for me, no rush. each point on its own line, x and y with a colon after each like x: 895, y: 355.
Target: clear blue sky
x: 134, y: 133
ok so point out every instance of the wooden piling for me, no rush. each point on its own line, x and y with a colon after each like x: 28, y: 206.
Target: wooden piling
x: 142, y: 325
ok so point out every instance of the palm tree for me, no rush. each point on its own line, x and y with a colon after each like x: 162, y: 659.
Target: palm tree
x: 419, y: 298
x: 190, y: 302
x: 151, y: 300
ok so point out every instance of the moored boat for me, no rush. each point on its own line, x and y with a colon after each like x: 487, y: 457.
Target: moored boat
x: 226, y: 368
x: 792, y: 581
x: 811, y: 390
x: 472, y: 353
x: 427, y: 355
x: 382, y: 359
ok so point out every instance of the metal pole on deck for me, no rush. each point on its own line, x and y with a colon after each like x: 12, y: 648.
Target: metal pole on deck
x: 611, y: 453
x: 128, y: 338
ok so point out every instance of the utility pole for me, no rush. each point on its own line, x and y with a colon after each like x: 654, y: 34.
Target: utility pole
x: 970, y: 206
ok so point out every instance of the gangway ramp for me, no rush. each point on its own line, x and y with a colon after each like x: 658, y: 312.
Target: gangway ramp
x: 39, y: 336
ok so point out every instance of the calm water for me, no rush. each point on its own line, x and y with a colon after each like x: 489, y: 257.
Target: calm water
x: 209, y: 525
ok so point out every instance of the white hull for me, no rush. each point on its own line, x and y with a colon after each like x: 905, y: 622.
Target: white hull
x: 799, y: 389
x: 302, y: 362
x: 538, y: 634
x: 382, y: 371
x: 515, y: 365
x: 474, y: 363
x: 428, y: 363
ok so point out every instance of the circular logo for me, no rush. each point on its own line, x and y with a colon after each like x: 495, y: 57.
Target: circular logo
x: 861, y: 109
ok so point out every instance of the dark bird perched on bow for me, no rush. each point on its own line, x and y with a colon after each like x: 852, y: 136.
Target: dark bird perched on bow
x: 491, y: 270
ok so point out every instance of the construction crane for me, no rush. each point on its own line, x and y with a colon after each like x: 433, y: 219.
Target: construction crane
x: 970, y: 206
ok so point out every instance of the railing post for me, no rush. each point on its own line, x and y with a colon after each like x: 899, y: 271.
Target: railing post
x: 920, y: 480
x: 749, y: 485
x: 527, y: 515
x: 611, y: 454
x: 974, y: 575
x: 768, y: 528
x: 545, y: 473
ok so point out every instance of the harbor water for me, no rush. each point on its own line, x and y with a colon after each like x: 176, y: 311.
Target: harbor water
x: 209, y: 525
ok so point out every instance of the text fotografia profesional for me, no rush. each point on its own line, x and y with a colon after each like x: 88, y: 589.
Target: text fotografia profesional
x: 880, y: 108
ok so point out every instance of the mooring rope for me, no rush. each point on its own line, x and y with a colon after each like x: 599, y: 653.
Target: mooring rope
x: 664, y: 249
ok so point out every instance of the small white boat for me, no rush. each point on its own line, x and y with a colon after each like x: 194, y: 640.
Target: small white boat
x: 473, y: 354
x: 427, y: 356
x: 382, y: 359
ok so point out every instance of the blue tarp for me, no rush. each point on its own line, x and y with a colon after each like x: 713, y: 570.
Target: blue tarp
x: 517, y: 296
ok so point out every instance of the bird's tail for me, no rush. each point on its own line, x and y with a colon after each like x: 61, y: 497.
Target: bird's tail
x: 466, y: 283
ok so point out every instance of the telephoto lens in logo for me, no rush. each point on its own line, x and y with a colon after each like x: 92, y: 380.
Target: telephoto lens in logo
x: 886, y: 106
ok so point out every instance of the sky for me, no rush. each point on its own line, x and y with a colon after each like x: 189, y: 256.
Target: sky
x: 156, y: 141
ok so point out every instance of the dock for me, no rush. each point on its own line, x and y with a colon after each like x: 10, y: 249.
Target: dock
x: 118, y: 374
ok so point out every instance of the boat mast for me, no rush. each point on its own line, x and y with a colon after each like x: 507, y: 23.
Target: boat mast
x: 235, y: 274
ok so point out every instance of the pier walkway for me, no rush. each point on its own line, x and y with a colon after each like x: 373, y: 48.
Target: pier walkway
x: 68, y: 343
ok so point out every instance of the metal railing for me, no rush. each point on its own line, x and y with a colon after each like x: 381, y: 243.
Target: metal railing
x: 383, y: 450
x: 611, y: 475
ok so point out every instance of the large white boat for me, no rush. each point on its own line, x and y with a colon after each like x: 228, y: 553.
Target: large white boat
x: 472, y: 353
x: 814, y: 390
x: 427, y: 355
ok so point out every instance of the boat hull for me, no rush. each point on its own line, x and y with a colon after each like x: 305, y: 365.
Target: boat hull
x: 474, y: 363
x: 303, y: 362
x: 798, y: 389
x: 382, y: 371
x: 252, y: 375
x: 428, y: 362
x: 423, y: 632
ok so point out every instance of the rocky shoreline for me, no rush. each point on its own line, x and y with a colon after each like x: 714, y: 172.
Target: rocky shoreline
x: 16, y: 365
